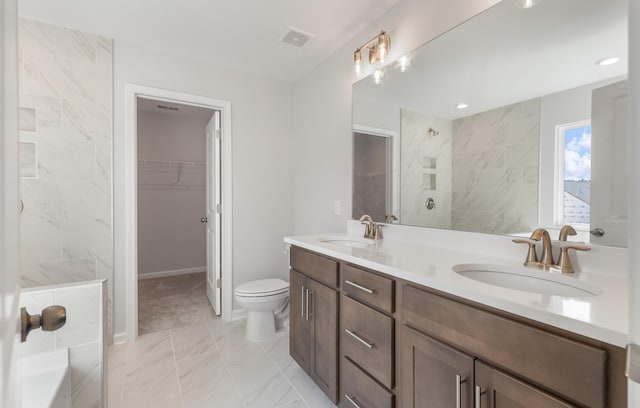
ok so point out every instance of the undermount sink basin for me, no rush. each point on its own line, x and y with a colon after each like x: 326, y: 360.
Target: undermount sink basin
x: 527, y: 280
x: 354, y: 242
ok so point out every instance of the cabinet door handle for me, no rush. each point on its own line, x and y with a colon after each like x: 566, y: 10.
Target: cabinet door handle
x: 479, y: 392
x: 302, y: 301
x: 360, y: 339
x: 355, y: 285
x: 308, y: 292
x: 459, y: 382
x: 353, y: 401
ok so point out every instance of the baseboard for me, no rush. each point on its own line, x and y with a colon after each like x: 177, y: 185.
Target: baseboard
x: 239, y: 314
x: 174, y: 272
x: 120, y: 338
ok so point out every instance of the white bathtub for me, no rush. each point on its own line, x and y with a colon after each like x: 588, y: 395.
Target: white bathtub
x: 46, y: 381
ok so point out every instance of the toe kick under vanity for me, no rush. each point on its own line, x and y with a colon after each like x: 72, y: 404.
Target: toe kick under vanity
x: 376, y: 329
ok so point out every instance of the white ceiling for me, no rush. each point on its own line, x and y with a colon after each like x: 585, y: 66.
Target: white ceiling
x: 509, y: 54
x: 241, y: 35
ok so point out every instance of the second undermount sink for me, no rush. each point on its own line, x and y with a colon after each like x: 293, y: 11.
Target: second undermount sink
x: 527, y: 280
x: 354, y: 242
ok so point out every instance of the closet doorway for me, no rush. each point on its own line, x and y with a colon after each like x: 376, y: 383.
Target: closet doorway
x: 178, y: 253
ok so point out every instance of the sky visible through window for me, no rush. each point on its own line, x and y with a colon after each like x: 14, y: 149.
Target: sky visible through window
x: 577, y: 175
x: 577, y: 153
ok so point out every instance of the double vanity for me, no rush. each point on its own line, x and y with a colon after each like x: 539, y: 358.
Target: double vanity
x: 400, y: 323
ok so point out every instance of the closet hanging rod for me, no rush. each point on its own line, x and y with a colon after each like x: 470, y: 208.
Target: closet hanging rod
x: 172, y: 163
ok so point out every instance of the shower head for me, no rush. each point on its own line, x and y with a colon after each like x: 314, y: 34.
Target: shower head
x: 433, y: 132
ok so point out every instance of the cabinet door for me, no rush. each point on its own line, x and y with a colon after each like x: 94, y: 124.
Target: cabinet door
x: 299, y: 336
x: 432, y: 373
x: 323, y: 312
x: 499, y: 390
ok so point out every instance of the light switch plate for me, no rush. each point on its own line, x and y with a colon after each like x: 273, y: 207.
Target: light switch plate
x: 337, y: 207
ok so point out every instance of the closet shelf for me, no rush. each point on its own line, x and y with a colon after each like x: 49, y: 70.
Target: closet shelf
x: 171, y: 163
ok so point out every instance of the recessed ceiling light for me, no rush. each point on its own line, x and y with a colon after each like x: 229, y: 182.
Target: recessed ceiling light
x: 607, y: 61
x: 462, y: 105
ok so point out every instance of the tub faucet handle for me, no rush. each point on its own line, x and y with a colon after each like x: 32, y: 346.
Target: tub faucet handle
x: 51, y: 319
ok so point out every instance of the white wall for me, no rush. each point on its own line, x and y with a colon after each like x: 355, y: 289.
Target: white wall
x: 568, y: 106
x: 170, y: 234
x: 322, y: 110
x: 262, y: 188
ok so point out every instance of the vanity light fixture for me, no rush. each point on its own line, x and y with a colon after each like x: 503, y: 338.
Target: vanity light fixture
x: 607, y: 61
x: 379, y: 48
x: 462, y: 105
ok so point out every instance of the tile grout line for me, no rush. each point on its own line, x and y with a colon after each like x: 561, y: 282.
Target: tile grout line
x: 284, y: 375
x: 175, y: 364
x: 226, y: 367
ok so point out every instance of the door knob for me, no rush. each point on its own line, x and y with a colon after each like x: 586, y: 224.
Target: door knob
x: 597, y: 232
x: 204, y: 220
x: 51, y: 319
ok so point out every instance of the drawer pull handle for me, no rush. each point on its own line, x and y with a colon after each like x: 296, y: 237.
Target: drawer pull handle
x: 360, y: 339
x: 459, y: 382
x: 362, y: 288
x: 479, y: 393
x: 353, y: 401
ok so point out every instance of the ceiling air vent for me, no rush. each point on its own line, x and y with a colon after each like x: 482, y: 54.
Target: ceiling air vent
x: 171, y: 108
x: 296, y: 38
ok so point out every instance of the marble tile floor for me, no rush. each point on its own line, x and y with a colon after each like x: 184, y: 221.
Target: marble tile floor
x: 172, y: 301
x: 208, y: 364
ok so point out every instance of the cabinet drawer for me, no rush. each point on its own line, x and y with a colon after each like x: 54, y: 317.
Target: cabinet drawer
x: 359, y: 390
x: 368, y: 288
x: 317, y: 267
x: 565, y: 367
x: 367, y: 339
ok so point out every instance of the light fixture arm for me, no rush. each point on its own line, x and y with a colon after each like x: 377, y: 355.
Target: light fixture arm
x: 379, y: 47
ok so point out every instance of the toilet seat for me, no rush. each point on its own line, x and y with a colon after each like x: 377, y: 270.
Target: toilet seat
x: 262, y: 288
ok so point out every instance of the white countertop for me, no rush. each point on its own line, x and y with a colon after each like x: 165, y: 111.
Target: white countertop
x: 603, y: 317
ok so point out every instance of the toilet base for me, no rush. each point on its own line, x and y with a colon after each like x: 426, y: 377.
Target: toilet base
x: 260, y: 326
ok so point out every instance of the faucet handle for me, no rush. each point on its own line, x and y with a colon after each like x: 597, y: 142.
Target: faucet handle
x: 377, y: 230
x: 532, y: 256
x: 564, y: 262
x: 565, y: 231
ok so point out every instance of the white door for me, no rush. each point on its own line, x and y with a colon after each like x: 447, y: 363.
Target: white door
x: 213, y: 212
x: 9, y: 384
x: 609, y: 189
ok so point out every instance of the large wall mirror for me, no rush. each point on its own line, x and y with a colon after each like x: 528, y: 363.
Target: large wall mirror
x: 514, y: 120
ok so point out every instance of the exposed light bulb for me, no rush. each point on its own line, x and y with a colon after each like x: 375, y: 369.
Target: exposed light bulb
x: 526, y: 4
x: 382, y: 52
x: 358, y: 68
x: 462, y: 105
x: 403, y: 63
x: 377, y: 77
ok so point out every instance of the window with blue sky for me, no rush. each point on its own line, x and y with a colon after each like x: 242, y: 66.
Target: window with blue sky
x: 577, y: 174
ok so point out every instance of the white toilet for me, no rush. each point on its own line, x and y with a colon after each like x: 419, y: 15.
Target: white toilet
x: 266, y: 301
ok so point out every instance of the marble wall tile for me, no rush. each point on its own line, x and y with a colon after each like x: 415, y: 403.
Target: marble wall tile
x: 86, y: 121
x: 496, y: 161
x: 47, y: 112
x: 419, y: 150
x: 85, y: 375
x: 66, y: 228
x: 46, y: 39
x: 105, y: 52
x: 59, y: 77
x: 57, y: 272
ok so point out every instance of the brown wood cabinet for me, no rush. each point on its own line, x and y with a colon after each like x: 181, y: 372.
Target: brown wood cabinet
x: 433, y: 374
x: 313, y: 339
x: 408, y: 346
